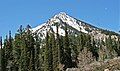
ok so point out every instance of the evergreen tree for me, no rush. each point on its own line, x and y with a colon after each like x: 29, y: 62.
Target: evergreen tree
x: 88, y: 41
x: 68, y: 60
x: 58, y: 42
x: 46, y: 54
x: 109, y: 46
x: 79, y: 38
x: 3, y: 59
x: 37, y: 54
x: 10, y: 51
x: 61, y: 50
x: 50, y: 65
x: 16, y: 52
x: 56, y: 49
x: 29, y: 41
x: 54, y: 53
x: 83, y: 41
x: 75, y: 49
x: 117, y: 46
x: 19, y: 50
x: 94, y: 49
x: 50, y: 53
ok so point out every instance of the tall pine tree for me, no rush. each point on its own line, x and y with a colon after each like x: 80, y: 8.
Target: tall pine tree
x: 67, y: 50
x: 3, y: 58
x: 46, y: 54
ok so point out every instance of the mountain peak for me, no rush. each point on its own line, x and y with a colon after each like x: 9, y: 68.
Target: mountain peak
x: 75, y: 26
x: 63, y: 19
x: 62, y: 13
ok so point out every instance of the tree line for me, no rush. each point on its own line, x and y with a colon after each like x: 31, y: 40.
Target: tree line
x: 28, y: 52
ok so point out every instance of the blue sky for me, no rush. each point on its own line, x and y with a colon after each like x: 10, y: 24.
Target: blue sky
x: 101, y: 13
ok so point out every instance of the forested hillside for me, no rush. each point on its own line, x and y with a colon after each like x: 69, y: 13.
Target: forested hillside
x: 28, y: 52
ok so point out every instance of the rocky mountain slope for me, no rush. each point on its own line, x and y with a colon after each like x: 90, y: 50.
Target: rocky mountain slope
x: 75, y: 26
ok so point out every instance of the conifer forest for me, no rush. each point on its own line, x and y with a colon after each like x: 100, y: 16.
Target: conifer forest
x: 27, y: 51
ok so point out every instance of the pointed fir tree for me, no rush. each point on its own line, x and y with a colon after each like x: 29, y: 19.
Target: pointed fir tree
x: 10, y: 51
x: 67, y: 50
x: 118, y: 46
x: 46, y: 54
x: 61, y: 50
x: 19, y: 50
x: 54, y: 53
x: 50, y: 53
x: 94, y: 49
x: 16, y: 52
x: 29, y: 41
x: 38, y: 62
x: 79, y: 37
x: 3, y: 58
x: 109, y: 46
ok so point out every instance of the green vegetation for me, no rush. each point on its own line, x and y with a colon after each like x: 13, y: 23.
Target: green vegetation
x: 28, y: 52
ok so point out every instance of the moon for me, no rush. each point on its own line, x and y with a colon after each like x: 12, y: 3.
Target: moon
x: 106, y: 8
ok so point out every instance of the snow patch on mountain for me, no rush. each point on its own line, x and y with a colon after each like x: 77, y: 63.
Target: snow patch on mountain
x: 70, y: 21
x: 38, y: 27
x: 61, y: 18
